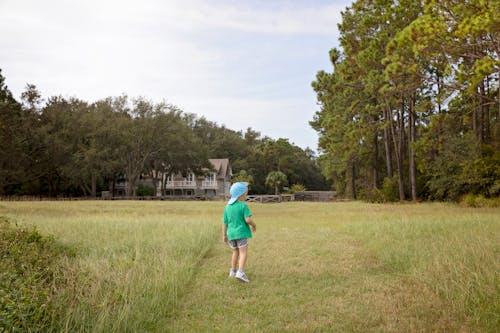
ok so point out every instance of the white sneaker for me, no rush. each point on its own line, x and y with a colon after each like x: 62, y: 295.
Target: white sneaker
x: 232, y: 272
x: 242, y: 276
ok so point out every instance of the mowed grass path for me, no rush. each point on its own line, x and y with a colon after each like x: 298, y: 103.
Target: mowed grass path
x: 353, y: 267
x: 314, y: 267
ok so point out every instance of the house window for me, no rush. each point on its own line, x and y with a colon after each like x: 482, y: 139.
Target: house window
x: 211, y: 177
x: 190, y: 177
x: 170, y: 178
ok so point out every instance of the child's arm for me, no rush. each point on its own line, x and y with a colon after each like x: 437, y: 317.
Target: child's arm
x: 249, y: 221
x: 224, y: 233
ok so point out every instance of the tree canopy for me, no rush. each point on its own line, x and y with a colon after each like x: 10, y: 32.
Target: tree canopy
x: 412, y: 100
x: 70, y: 147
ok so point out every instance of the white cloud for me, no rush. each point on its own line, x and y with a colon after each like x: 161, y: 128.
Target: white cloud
x: 244, y: 17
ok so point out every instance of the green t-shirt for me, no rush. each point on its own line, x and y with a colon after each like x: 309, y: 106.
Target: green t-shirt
x: 234, y: 218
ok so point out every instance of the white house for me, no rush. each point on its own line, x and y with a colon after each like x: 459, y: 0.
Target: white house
x: 215, y: 184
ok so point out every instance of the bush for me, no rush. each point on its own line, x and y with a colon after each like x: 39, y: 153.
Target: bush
x: 29, y: 272
x: 472, y: 200
x: 495, y: 189
x: 390, y: 190
x: 372, y: 195
x: 388, y: 193
x: 145, y: 191
x: 296, y: 188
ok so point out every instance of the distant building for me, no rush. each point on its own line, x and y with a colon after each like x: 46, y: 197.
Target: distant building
x: 213, y: 184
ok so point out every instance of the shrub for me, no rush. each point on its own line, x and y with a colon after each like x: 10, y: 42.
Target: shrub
x: 495, y: 189
x: 388, y: 193
x: 468, y: 200
x: 29, y: 273
x: 296, y: 188
x: 390, y: 189
x: 372, y: 195
x: 242, y: 176
x: 472, y: 200
x: 145, y: 191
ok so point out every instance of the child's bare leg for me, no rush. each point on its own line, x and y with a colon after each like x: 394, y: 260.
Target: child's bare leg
x: 243, y: 258
x: 234, y: 258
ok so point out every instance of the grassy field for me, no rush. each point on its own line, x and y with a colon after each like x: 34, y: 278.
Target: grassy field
x: 314, y: 267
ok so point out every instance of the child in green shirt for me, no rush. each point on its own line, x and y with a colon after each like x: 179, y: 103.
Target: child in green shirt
x: 235, y: 229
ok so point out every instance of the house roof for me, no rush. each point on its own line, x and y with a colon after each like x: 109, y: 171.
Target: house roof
x: 221, y: 166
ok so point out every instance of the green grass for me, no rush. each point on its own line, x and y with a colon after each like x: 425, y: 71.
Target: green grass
x: 29, y: 273
x: 314, y: 267
x: 134, y: 259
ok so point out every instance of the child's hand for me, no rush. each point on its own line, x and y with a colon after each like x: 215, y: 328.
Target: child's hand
x: 224, y: 239
x: 254, y: 227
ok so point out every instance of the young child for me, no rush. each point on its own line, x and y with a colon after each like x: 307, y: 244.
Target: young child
x: 236, y: 230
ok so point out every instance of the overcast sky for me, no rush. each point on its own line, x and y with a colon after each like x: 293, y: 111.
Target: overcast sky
x: 238, y: 63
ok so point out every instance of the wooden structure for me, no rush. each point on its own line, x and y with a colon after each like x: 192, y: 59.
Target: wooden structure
x: 315, y: 196
x: 270, y: 198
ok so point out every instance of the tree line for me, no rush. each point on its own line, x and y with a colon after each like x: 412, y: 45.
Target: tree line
x: 70, y: 147
x: 411, y: 108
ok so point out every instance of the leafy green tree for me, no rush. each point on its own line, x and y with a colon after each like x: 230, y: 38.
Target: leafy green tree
x: 140, y: 132
x: 277, y: 180
x: 31, y: 99
x: 103, y: 144
x: 296, y: 188
x: 242, y: 176
x: 353, y: 120
x: 64, y: 137
x: 462, y: 63
x: 177, y: 148
x: 259, y: 156
x: 402, y: 70
x: 220, y: 141
x: 12, y: 140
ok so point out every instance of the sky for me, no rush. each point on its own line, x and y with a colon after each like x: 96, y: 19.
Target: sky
x: 240, y: 63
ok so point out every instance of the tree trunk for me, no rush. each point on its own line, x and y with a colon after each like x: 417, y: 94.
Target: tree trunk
x: 131, y: 186
x: 401, y: 148
x: 375, y: 161
x: 155, y: 177
x: 498, y: 52
x: 111, y: 187
x: 411, y: 153
x: 132, y: 176
x: 85, y: 189
x: 480, y: 120
x: 163, y: 180
x: 397, y: 150
x: 474, y: 119
x: 94, y: 185
x: 352, y: 182
x: 387, y: 144
x: 487, y: 114
x: 438, y: 77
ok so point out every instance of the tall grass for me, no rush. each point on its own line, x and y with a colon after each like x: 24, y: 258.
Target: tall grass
x: 355, y: 267
x: 133, y: 258
x: 346, y: 267
x: 453, y: 251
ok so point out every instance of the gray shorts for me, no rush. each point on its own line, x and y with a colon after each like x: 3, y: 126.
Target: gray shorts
x: 238, y: 243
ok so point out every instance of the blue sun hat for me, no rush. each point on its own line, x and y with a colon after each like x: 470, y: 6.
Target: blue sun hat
x: 237, y: 190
